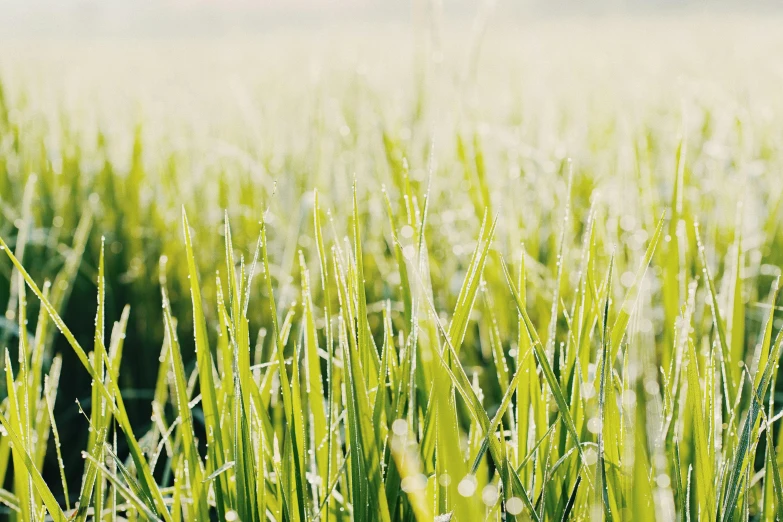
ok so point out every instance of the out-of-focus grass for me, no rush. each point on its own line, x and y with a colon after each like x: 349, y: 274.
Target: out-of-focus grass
x: 431, y: 235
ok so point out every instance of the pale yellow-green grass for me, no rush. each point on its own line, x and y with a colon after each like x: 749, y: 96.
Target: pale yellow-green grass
x: 523, y: 271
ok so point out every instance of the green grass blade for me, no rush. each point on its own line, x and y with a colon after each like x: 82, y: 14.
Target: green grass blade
x: 113, y: 397
x: 54, y: 509
x: 629, y: 302
x: 549, y: 375
x: 204, y: 363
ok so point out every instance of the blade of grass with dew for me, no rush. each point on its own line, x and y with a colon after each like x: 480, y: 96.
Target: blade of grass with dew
x: 117, y: 343
x: 365, y: 459
x: 765, y: 346
x: 444, y: 414
x: 215, y: 447
x: 773, y: 483
x: 186, y: 427
x: 123, y: 490
x: 63, y: 282
x: 23, y: 225
x: 365, y: 344
x: 238, y: 415
x: 725, y: 353
x: 50, y: 393
x: 735, y: 328
x: 176, y: 504
x: 463, y: 386
x: 470, y: 286
x: 380, y: 400
x: 19, y: 450
x: 629, y: 302
x: 530, y: 408
x: 405, y: 287
x: 297, y: 412
x: 602, y: 488
x: 413, y: 479
x: 9, y: 500
x: 582, y: 314
x: 672, y: 283
x: 358, y: 477
x: 524, y: 397
x: 89, y: 478
x: 571, y: 501
x: 99, y: 416
x: 22, y: 484
x: 243, y: 384
x: 704, y: 463
x: 113, y: 397
x: 331, y: 376
x: 642, y: 503
x: 285, y: 386
x: 542, y: 361
x: 36, y: 393
x: 495, y: 342
x: 457, y: 329
x: 732, y: 489
x: 559, y: 265
x: 501, y: 411
x: 363, y: 365
x: 129, y: 475
x: 22, y: 404
x: 315, y: 393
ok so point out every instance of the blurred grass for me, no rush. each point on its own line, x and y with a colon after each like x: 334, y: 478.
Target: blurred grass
x: 573, y: 138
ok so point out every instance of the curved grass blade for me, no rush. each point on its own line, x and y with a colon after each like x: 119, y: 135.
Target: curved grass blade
x: 631, y: 297
x: 538, y: 350
x: 54, y: 509
x: 209, y: 403
x: 725, y: 352
x: 748, y: 427
x: 571, y: 500
x: 704, y: 462
x: 112, y: 393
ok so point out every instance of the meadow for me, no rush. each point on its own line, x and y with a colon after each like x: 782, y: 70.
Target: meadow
x: 503, y: 272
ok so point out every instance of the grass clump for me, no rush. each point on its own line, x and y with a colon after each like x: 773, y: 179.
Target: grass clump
x: 477, y: 325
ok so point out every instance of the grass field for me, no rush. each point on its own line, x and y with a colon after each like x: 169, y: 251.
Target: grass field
x: 514, y: 272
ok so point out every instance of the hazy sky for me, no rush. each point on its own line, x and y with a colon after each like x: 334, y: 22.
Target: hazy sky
x: 86, y: 18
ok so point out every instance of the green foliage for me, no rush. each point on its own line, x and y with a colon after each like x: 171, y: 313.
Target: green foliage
x: 475, y: 327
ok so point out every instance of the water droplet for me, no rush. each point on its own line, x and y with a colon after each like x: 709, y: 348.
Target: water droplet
x: 467, y: 486
x: 514, y: 505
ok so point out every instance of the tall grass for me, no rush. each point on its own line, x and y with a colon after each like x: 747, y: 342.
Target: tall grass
x: 565, y: 312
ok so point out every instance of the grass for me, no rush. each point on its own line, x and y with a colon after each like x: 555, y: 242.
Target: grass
x: 344, y: 304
